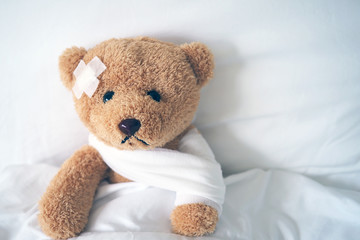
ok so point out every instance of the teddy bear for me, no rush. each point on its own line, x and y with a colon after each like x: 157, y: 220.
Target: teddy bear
x: 137, y: 97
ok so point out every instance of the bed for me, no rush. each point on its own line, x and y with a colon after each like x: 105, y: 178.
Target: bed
x: 282, y: 114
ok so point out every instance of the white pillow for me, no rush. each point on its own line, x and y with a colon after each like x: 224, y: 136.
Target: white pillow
x: 285, y: 93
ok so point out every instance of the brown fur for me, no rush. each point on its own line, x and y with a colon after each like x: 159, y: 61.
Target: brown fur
x: 201, y: 60
x: 65, y: 206
x: 68, y: 61
x: 194, y: 219
x: 134, y: 67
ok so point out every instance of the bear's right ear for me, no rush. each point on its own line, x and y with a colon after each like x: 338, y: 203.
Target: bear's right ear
x: 68, y: 61
x: 201, y: 60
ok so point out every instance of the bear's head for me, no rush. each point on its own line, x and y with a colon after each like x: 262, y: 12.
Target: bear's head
x: 148, y: 94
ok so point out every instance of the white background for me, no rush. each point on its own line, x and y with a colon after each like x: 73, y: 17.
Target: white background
x: 285, y: 93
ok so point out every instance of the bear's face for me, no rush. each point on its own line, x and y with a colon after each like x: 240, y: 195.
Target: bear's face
x: 147, y: 95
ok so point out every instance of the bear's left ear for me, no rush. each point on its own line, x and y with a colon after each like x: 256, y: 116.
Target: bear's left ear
x: 68, y: 61
x: 201, y: 60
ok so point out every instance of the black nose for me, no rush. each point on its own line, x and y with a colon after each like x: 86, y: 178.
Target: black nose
x: 129, y: 126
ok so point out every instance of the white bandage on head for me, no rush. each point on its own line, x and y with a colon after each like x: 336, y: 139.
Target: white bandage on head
x: 86, y: 77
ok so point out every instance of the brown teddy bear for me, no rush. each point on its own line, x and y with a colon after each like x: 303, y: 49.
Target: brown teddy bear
x: 134, y: 95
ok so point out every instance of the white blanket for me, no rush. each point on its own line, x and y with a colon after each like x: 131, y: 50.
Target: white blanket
x: 192, y: 172
x: 258, y: 205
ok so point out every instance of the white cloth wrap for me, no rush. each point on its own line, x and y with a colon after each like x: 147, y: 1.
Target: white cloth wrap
x: 192, y: 171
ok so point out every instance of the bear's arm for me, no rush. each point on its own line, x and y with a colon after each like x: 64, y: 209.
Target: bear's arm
x: 65, y: 206
x: 193, y: 219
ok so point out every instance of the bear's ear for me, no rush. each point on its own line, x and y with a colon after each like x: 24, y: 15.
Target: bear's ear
x: 201, y: 60
x: 68, y: 61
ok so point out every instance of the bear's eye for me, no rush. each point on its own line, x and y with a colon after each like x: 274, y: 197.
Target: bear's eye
x: 107, y: 96
x: 155, y: 95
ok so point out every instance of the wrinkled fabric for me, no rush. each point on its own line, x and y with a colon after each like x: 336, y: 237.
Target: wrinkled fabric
x: 259, y: 205
x: 191, y: 171
x: 285, y: 95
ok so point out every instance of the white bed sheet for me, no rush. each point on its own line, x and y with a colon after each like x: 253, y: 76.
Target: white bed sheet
x: 259, y: 205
